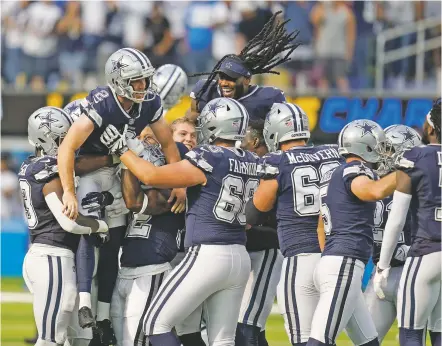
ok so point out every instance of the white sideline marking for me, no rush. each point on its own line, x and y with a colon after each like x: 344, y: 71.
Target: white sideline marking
x: 13, y: 297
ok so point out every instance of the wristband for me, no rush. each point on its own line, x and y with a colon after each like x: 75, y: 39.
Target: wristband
x: 145, y: 203
x: 102, y: 227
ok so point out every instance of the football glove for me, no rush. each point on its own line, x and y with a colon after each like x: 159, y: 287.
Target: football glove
x: 114, y: 140
x: 380, y: 281
x: 95, y: 201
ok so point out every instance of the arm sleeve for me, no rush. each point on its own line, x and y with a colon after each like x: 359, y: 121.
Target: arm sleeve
x: 394, y: 226
x: 198, y: 86
x: 253, y: 215
x: 56, y: 207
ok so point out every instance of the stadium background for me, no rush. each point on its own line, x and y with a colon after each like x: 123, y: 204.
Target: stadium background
x: 393, y: 75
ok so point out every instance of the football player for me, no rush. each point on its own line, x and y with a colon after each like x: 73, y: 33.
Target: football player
x: 348, y: 202
x: 383, y: 311
x: 219, y: 178
x: 266, y: 259
x: 49, y: 266
x: 419, y: 188
x: 149, y: 246
x: 183, y: 131
x: 270, y: 48
x: 128, y: 100
x: 170, y: 82
x: 290, y: 181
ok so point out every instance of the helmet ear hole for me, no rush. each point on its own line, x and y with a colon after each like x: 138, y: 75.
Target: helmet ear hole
x: 369, y: 149
x: 212, y: 128
x: 272, y: 136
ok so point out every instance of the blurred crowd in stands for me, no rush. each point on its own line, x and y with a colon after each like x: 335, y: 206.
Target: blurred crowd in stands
x: 63, y: 45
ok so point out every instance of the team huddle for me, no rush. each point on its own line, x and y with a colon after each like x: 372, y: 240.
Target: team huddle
x: 147, y: 233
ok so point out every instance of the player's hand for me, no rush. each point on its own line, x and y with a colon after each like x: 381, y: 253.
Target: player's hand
x: 135, y: 145
x: 102, y: 238
x: 96, y: 201
x: 180, y: 203
x: 114, y: 140
x: 401, y: 253
x: 118, y: 207
x: 380, y: 281
x: 70, y: 205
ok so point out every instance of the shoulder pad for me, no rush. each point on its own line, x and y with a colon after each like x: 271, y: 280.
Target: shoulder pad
x: 354, y: 171
x: 87, y: 108
x: 198, y: 86
x: 45, y: 168
x: 205, y: 157
x: 273, y: 94
x: 268, y: 167
x: 182, y: 149
x: 153, y: 108
x: 403, y: 163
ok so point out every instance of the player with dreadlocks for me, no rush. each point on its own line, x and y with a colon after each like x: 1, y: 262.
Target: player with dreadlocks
x: 232, y: 74
x: 418, y: 188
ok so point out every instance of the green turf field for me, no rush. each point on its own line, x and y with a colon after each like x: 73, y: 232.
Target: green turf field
x: 17, y: 323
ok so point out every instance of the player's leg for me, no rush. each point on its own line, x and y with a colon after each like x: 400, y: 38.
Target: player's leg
x: 85, y: 261
x: 108, y: 260
x: 221, y: 317
x: 51, y: 279
x: 118, y: 306
x: 338, y: 280
x: 258, y: 296
x: 418, y: 293
x: 189, y: 331
x: 178, y: 297
x: 298, y: 296
x: 435, y: 323
x: 360, y: 328
x: 85, y: 254
x: 139, y: 298
x: 383, y: 311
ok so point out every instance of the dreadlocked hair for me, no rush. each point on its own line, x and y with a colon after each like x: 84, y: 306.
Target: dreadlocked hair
x: 262, y: 53
x: 436, y: 118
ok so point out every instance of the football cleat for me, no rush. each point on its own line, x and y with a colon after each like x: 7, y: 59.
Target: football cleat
x: 85, y: 317
x: 107, y: 332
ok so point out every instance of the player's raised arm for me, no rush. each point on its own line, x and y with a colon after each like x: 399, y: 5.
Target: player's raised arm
x: 193, y: 113
x: 151, y: 202
x: 367, y: 189
x: 76, y: 136
x: 163, y: 134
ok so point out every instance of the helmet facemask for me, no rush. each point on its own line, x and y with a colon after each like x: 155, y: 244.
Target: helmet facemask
x: 129, y: 92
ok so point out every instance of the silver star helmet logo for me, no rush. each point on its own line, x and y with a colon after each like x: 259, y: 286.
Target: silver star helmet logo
x: 46, y: 120
x: 366, y: 128
x: 408, y: 136
x: 117, y: 65
x: 229, y: 65
x: 212, y: 108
